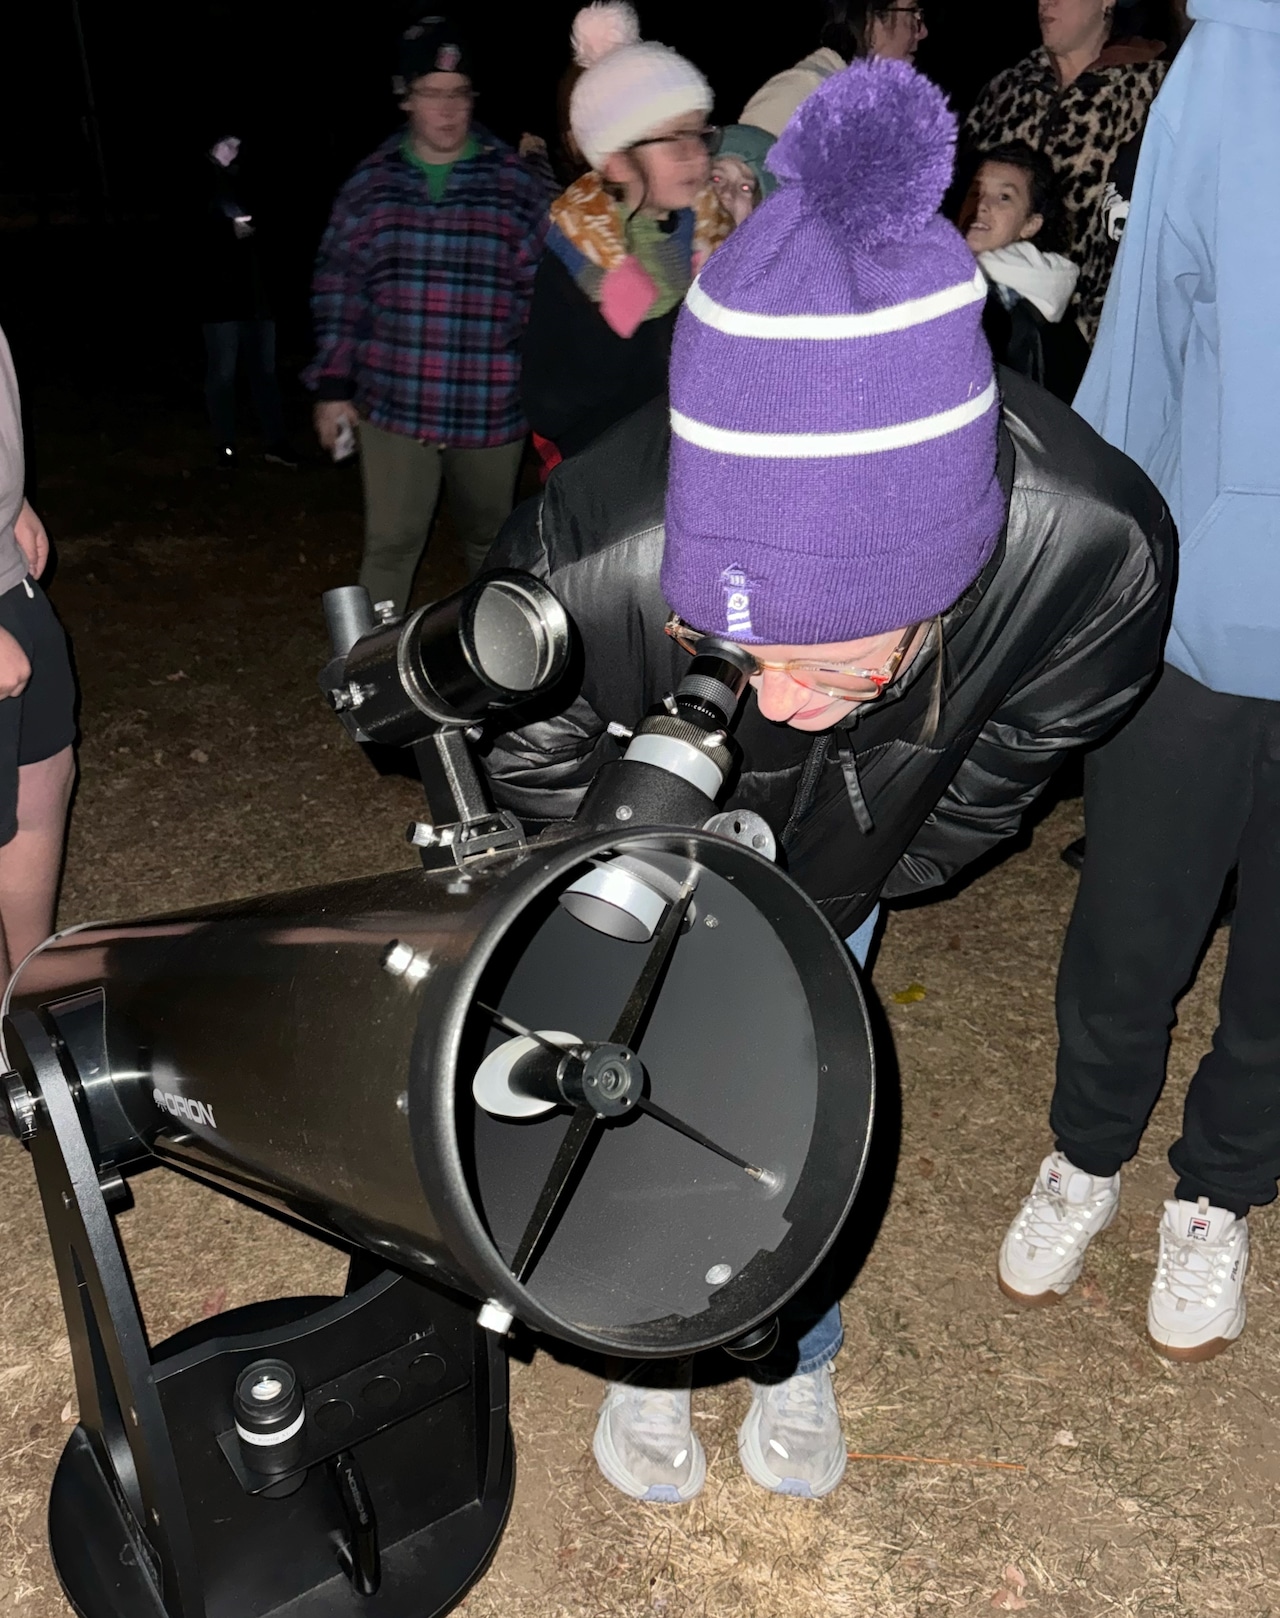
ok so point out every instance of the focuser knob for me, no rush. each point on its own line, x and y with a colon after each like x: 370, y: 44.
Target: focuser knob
x: 19, y: 1107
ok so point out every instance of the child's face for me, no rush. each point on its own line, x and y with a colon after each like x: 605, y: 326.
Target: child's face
x: 667, y: 169
x: 997, y: 210
x: 735, y: 184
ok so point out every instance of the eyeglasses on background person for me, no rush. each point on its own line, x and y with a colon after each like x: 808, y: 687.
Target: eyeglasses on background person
x: 708, y: 138
x: 918, y: 21
x: 444, y: 98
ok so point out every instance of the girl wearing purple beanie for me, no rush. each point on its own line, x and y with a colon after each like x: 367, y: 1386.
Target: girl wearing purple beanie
x: 948, y: 582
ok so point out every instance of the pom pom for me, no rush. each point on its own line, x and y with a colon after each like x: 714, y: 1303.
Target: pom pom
x: 601, y: 28
x: 873, y: 149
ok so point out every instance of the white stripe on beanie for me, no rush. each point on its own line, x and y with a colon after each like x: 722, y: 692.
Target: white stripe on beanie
x: 817, y: 446
x: 873, y: 323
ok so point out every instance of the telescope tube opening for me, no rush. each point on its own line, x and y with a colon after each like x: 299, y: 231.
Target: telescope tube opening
x: 685, y: 1219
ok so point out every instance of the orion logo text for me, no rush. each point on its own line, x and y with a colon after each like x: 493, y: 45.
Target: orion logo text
x: 195, y: 1112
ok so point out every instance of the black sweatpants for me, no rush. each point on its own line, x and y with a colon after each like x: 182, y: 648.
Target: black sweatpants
x: 1187, y: 790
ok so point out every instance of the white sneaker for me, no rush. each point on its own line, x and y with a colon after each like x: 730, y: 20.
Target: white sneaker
x: 645, y: 1444
x: 1197, y: 1308
x: 1044, y: 1249
x: 791, y: 1440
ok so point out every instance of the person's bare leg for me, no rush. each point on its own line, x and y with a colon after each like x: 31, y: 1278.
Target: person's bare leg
x: 31, y: 860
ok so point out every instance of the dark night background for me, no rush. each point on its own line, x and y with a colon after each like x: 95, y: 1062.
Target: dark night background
x: 93, y: 289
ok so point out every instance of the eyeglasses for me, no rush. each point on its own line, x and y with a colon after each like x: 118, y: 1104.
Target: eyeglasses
x: 842, y: 680
x: 916, y: 13
x: 709, y: 139
x: 445, y: 98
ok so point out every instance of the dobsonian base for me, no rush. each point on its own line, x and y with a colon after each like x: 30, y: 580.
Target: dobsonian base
x: 402, y: 1486
x: 438, y: 1510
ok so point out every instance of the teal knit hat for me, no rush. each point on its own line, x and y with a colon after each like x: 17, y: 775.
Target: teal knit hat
x: 751, y: 146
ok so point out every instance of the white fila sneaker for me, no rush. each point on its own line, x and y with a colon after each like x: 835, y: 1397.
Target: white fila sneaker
x: 1043, y: 1250
x: 1197, y: 1308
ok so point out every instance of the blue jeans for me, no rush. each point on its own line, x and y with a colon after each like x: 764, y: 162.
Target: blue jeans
x: 812, y: 1334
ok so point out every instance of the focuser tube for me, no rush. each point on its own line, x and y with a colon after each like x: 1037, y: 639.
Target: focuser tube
x: 680, y: 755
x: 677, y: 762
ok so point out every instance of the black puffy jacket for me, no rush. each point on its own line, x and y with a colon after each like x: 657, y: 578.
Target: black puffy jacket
x: 1044, y: 652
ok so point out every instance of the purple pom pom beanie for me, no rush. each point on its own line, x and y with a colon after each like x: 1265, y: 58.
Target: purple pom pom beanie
x: 833, y: 401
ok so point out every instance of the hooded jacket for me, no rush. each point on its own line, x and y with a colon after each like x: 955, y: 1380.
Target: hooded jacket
x: 776, y: 100
x: 1045, y: 280
x: 1030, y: 293
x: 1043, y: 652
x: 1184, y: 375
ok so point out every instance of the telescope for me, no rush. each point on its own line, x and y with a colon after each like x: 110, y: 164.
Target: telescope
x: 610, y: 1082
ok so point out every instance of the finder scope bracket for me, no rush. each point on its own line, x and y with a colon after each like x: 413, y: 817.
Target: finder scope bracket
x: 462, y: 825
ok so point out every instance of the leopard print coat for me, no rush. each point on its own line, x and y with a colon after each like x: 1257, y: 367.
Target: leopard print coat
x: 1080, y: 128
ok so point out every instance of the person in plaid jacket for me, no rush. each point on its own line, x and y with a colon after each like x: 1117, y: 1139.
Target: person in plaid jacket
x: 419, y: 300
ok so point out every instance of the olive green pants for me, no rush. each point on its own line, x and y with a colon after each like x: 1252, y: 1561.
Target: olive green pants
x: 402, y: 480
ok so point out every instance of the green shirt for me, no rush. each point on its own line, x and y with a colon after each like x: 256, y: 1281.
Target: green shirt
x: 437, y: 173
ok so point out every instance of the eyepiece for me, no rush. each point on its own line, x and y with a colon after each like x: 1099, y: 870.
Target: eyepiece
x: 713, y: 686
x: 736, y: 658
x: 269, y: 1417
x: 348, y: 614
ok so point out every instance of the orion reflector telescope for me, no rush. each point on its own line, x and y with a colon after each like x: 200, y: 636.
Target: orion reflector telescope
x: 612, y: 1082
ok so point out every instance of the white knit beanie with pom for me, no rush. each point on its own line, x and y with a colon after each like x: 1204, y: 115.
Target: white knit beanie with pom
x: 631, y: 86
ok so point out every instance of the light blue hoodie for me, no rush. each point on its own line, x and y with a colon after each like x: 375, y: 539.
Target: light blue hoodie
x: 1185, y: 375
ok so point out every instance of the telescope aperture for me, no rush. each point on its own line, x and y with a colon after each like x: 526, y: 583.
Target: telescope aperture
x: 754, y: 1109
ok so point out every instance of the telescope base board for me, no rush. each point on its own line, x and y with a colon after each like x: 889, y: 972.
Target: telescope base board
x: 423, y: 1576
x: 93, y: 1553
x: 404, y: 1476
x: 435, y: 1470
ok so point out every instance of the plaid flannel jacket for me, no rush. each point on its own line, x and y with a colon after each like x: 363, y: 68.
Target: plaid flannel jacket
x: 419, y: 307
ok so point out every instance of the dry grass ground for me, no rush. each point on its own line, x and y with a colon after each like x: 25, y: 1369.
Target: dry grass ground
x: 1050, y: 1443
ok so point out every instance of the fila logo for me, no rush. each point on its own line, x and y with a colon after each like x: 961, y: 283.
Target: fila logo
x: 194, y: 1112
x: 1055, y: 1181
x: 1198, y: 1229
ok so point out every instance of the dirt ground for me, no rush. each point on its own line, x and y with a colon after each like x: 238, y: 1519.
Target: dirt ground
x: 1046, y: 1460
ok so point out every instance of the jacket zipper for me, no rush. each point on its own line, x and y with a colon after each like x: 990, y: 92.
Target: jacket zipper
x: 807, y: 785
x: 814, y: 764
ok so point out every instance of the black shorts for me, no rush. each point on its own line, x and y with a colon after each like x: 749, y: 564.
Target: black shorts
x: 42, y: 721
